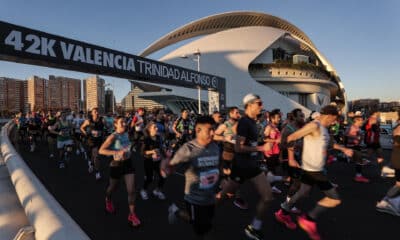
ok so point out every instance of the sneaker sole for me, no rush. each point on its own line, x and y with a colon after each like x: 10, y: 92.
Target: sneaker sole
x: 385, y: 210
x: 240, y: 206
x: 249, y: 235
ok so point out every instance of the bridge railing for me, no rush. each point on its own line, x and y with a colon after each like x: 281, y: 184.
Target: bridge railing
x: 45, y: 214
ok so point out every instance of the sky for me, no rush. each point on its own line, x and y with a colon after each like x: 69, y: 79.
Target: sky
x: 359, y: 38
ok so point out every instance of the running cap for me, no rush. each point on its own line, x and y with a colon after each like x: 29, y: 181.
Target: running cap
x: 249, y: 98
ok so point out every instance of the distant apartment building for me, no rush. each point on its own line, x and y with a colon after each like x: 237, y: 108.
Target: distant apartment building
x: 109, y: 101
x: 127, y: 102
x: 64, y: 93
x: 13, y: 95
x: 94, y: 93
x: 37, y: 93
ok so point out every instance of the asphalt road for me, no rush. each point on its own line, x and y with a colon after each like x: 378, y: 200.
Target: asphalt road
x: 83, y: 197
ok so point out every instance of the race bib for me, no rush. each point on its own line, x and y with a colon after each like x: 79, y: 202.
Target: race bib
x: 208, y: 178
x: 95, y: 133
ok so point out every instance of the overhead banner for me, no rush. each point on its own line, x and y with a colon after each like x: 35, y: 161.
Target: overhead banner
x: 24, y: 45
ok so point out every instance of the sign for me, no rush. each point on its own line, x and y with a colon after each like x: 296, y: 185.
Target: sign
x: 24, y: 45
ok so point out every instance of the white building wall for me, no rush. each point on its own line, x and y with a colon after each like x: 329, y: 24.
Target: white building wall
x: 228, y: 54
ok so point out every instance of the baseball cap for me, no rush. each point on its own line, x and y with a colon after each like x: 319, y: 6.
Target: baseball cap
x: 249, y: 98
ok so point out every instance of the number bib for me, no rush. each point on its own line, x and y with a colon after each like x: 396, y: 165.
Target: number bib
x: 208, y: 178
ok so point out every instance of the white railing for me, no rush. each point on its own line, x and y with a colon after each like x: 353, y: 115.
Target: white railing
x: 45, y: 214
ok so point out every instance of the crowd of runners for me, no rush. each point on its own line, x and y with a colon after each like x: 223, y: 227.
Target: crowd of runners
x: 217, y: 154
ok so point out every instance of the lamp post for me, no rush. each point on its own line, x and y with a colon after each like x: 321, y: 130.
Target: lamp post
x: 197, y: 59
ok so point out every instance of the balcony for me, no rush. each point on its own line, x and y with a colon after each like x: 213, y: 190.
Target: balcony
x: 286, y: 70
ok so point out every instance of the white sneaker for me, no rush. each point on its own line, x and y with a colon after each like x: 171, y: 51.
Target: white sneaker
x: 51, y: 156
x: 90, y: 167
x: 98, y: 176
x: 172, y: 209
x: 159, y: 194
x: 387, y: 172
x: 276, y: 190
x: 144, y: 194
x: 61, y: 165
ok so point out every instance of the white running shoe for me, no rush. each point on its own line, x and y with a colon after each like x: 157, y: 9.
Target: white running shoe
x: 98, y: 176
x: 144, y: 194
x: 159, y: 194
x: 387, y: 172
x: 172, y: 218
x: 90, y: 167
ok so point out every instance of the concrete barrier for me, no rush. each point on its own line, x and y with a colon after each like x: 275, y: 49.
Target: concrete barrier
x: 45, y: 214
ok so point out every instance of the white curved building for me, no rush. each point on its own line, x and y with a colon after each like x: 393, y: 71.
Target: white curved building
x: 254, y: 52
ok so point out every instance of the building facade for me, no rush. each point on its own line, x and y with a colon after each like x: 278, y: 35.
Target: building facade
x: 95, y: 93
x: 13, y: 94
x: 254, y: 52
x: 64, y: 93
x: 38, y: 93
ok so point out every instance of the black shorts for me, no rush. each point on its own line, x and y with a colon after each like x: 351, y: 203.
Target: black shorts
x: 201, y: 217
x: 240, y: 175
x: 316, y: 178
x: 123, y: 168
x: 95, y: 142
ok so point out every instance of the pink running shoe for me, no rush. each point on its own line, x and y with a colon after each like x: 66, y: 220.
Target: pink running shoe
x: 133, y: 220
x: 361, y: 179
x: 109, y: 206
x: 310, y: 227
x: 281, y: 217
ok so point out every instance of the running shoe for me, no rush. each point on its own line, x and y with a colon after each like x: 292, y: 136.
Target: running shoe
x: 240, y: 203
x: 160, y: 195
x: 133, y: 220
x: 385, y: 207
x: 361, y: 179
x: 387, y: 172
x: 276, y: 190
x: 98, y: 176
x: 285, y: 219
x: 110, y: 206
x: 172, y: 218
x: 310, y: 227
x: 90, y: 167
x: 253, y: 233
x: 51, y: 156
x: 144, y: 194
x: 61, y: 165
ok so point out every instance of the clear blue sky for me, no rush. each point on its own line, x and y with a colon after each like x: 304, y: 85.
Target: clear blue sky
x: 360, y: 38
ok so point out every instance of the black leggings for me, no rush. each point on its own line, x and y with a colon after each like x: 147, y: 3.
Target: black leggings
x: 152, y: 168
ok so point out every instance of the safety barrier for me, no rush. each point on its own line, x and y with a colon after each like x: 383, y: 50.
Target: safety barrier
x: 45, y: 214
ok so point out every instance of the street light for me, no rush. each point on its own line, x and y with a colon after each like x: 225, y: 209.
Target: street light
x: 197, y: 59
